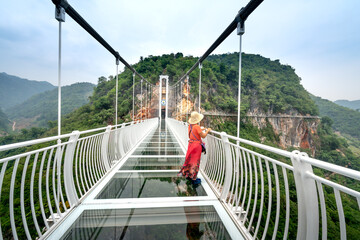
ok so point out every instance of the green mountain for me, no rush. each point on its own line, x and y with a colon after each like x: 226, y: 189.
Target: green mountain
x: 272, y: 86
x: 4, y: 123
x: 42, y: 108
x: 345, y: 120
x: 355, y: 105
x: 15, y: 90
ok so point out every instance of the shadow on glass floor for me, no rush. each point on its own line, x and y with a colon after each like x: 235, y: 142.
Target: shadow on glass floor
x: 153, y: 163
x: 149, y: 185
x: 194, y: 222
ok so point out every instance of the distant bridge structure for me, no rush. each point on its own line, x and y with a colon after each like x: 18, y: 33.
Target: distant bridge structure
x: 120, y: 181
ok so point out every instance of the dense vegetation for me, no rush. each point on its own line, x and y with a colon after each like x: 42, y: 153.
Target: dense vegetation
x: 4, y: 123
x: 273, y: 86
x: 345, y: 120
x: 15, y: 90
x: 41, y: 108
x: 355, y: 105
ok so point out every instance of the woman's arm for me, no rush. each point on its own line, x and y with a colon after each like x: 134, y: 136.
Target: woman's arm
x: 204, y: 134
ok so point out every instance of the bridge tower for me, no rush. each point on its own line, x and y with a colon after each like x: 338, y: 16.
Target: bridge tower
x: 163, y: 96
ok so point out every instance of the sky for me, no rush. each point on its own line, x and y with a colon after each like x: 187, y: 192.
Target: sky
x: 319, y: 39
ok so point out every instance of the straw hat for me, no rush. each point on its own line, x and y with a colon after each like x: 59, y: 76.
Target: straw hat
x: 195, y: 117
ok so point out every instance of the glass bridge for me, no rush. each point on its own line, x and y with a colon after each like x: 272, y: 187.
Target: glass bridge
x: 143, y: 198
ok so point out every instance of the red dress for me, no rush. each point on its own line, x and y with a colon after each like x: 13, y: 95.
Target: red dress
x: 190, y: 168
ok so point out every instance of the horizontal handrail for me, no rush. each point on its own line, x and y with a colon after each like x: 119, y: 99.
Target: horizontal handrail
x: 58, y: 177
x: 53, y: 138
x: 315, y: 162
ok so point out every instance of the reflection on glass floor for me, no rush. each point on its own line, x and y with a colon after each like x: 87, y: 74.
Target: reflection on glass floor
x: 160, y: 163
x: 195, y: 222
x: 149, y: 185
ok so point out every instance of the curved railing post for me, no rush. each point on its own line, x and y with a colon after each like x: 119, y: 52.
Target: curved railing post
x: 228, y: 166
x: 308, y: 210
x: 104, y: 147
x: 68, y: 170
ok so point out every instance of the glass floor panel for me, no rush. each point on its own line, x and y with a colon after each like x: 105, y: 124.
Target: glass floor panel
x: 153, y: 164
x: 160, y: 139
x: 158, y: 151
x: 159, y: 144
x: 194, y: 222
x: 148, y: 185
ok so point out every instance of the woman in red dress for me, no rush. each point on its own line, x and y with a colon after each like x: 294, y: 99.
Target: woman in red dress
x: 190, y: 168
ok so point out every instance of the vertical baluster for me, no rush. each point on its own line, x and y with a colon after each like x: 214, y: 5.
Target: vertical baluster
x: 98, y: 167
x: 87, y: 164
x: 32, y: 195
x: 341, y: 214
x: 40, y: 190
x: 270, y: 199
x: 47, y: 185
x: 84, y: 165
x: 3, y: 169
x: 256, y: 194
x: 59, y: 178
x: 91, y: 161
x: 323, y: 210
x: 12, y: 186
x: 277, y: 201
x: 287, y: 218
x: 77, y: 168
x: 242, y: 202
x: 54, y: 181
x: 22, y: 206
x: 250, y: 190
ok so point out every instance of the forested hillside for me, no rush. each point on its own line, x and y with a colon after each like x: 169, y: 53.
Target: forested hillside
x: 355, y: 105
x: 15, y: 90
x: 274, y: 87
x: 4, y: 123
x: 345, y: 120
x: 41, y: 108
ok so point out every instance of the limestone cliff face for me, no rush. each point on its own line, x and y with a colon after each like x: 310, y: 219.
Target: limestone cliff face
x: 293, y: 129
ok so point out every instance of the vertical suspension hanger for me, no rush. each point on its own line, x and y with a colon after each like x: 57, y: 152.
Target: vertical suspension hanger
x: 200, y: 67
x: 146, y: 105
x: 117, y: 92
x: 133, y: 103
x: 60, y: 16
x: 240, y: 32
x: 141, y: 100
x: 187, y: 97
x: 181, y: 99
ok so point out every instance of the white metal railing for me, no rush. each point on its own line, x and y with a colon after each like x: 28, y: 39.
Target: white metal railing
x: 268, y: 190
x: 42, y: 180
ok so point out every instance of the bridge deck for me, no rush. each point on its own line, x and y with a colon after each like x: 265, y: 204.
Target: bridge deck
x: 142, y: 198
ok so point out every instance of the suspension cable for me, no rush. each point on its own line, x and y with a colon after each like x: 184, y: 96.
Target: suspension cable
x: 240, y: 17
x: 86, y: 26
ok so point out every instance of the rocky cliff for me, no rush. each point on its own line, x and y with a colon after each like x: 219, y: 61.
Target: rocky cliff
x: 293, y: 129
